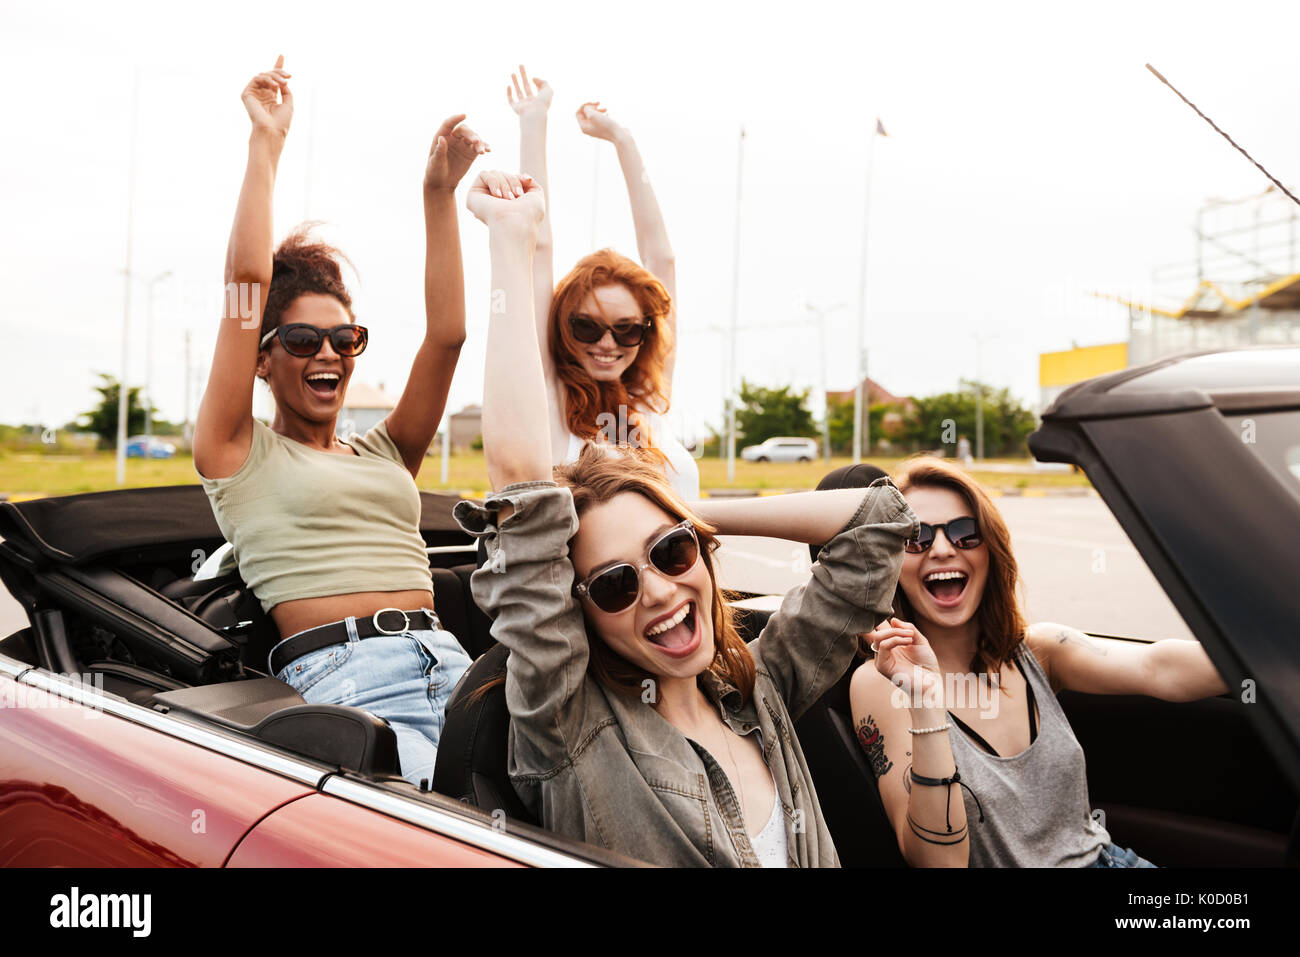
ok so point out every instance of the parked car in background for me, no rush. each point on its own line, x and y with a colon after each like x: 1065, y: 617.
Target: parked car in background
x: 149, y: 447
x: 781, y: 449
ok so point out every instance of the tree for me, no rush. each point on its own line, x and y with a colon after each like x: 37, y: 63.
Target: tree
x: 103, y: 419
x: 764, y: 413
x: 840, y: 415
x: 938, y: 420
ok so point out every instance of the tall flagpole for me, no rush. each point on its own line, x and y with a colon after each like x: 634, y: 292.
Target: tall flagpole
x: 861, y: 422
x: 735, y: 316
x: 124, y: 390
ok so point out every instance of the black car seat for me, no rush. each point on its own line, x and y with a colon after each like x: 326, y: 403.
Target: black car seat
x: 472, y: 753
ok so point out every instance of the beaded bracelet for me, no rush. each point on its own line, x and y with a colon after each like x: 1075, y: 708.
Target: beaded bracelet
x: 943, y: 727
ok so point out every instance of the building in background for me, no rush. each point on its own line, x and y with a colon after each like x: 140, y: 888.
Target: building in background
x: 1242, y: 288
x: 364, y: 407
x: 466, y: 428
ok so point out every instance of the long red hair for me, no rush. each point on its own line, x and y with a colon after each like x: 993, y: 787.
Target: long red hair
x: 642, y: 386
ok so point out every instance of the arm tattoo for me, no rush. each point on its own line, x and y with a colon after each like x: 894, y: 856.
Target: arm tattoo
x: 873, y: 743
x: 1073, y: 635
x: 907, y: 778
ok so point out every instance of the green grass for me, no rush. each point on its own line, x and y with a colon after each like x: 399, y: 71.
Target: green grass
x: 25, y: 474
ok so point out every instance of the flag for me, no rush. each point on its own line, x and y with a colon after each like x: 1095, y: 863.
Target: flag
x: 880, y: 128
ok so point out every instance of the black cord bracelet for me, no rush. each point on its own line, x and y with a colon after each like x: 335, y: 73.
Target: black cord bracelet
x: 947, y: 782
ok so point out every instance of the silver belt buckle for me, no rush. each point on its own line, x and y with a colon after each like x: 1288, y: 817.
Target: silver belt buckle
x: 406, y: 622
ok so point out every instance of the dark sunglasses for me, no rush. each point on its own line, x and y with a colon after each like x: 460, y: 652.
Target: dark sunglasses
x: 628, y: 333
x: 962, y: 532
x: 304, y: 340
x: 617, y: 588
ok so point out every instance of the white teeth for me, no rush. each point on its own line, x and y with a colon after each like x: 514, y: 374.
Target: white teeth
x: 943, y: 576
x: 675, y: 620
x: 317, y: 376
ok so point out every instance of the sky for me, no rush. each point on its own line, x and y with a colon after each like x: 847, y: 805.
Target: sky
x: 1031, y: 161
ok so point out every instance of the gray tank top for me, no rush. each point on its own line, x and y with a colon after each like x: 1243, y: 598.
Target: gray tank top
x: 1035, y: 803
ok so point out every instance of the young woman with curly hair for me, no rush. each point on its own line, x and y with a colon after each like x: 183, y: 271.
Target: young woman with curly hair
x: 326, y: 530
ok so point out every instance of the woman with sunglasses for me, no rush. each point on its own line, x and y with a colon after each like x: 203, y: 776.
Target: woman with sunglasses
x: 326, y: 531
x: 608, y: 330
x: 639, y: 720
x: 962, y: 697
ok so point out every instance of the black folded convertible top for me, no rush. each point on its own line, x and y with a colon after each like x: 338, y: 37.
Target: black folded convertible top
x: 75, y: 529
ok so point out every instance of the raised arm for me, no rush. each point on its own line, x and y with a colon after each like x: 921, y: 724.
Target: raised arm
x: 1173, y: 669
x: 526, y: 585
x: 530, y: 99
x: 651, y: 234
x: 414, y: 422
x: 516, y: 437
x: 223, y: 429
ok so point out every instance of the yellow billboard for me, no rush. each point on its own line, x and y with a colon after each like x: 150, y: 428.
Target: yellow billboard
x: 1075, y: 365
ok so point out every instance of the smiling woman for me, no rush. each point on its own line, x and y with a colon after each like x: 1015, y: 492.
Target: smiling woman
x: 961, y: 693
x: 639, y: 719
x: 326, y: 530
x: 608, y: 329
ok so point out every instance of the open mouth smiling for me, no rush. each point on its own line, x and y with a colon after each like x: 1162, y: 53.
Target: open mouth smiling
x: 946, y: 587
x: 323, y: 385
x: 677, y: 633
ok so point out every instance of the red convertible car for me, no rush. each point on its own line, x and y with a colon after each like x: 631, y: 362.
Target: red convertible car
x: 138, y: 727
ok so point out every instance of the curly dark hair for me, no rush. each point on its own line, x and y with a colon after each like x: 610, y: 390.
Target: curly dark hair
x: 302, y: 265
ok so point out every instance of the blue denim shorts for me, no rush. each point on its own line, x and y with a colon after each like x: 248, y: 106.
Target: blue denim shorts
x: 404, y: 678
x: 1112, y: 855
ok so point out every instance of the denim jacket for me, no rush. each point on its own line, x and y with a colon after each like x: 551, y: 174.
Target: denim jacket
x: 604, y: 767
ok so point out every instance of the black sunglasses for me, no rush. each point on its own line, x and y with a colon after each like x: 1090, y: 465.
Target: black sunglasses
x: 304, y: 340
x: 962, y: 532
x: 627, y: 333
x: 617, y: 588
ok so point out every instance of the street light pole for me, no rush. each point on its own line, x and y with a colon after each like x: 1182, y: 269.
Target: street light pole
x: 861, y: 422
x: 735, y: 315
x: 148, y: 352
x: 123, y: 390
x: 821, y: 313
x: 979, y: 390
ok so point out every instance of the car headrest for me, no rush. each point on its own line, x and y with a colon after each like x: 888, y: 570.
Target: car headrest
x: 472, y: 753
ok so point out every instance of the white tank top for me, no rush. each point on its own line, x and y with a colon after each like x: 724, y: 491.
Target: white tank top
x: 769, y: 843
x: 681, y: 470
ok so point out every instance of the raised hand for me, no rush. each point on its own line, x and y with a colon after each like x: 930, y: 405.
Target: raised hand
x: 506, y: 199
x: 455, y: 147
x: 268, y: 100
x: 594, y: 120
x: 904, y: 656
x: 528, y: 100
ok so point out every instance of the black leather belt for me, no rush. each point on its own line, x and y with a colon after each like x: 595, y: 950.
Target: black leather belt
x: 386, y: 621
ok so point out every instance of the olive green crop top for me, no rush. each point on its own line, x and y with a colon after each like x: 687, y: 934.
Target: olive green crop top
x: 305, y: 523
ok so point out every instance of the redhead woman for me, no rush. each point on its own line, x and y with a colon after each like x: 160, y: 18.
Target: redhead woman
x: 326, y: 530
x: 961, y: 697
x: 639, y: 719
x: 608, y: 329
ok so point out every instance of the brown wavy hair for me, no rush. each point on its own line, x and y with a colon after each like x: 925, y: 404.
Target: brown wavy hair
x: 599, y: 474
x: 1001, y: 623
x: 642, y: 385
x: 302, y: 265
